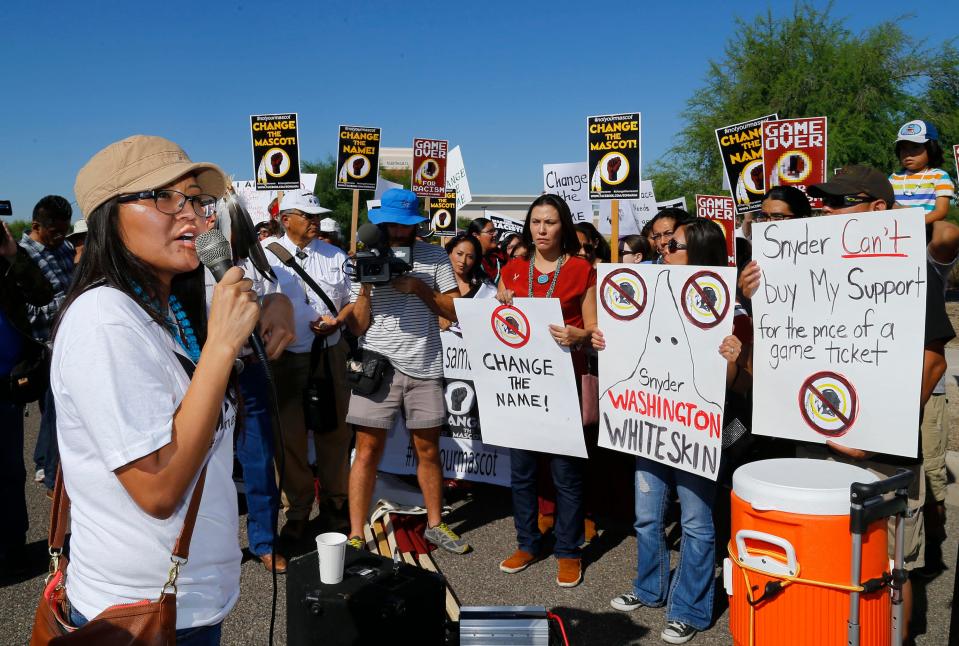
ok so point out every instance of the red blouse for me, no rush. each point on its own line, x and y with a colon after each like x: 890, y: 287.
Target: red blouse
x: 575, y: 277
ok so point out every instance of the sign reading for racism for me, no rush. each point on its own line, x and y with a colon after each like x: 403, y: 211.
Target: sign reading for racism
x: 358, y: 158
x: 570, y: 182
x: 614, y: 156
x: 429, y: 167
x: 838, y: 319
x: 276, y: 152
x: 721, y: 210
x: 456, y: 180
x: 662, y: 381
x: 794, y: 153
x: 524, y: 379
x: 741, y: 149
x: 443, y: 214
x: 633, y: 214
x: 463, y: 454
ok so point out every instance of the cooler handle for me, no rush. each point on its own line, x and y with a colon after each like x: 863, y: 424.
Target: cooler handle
x: 764, y: 563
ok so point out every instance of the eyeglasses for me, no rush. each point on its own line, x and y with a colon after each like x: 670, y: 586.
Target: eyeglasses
x: 845, y: 201
x: 305, y: 216
x: 172, y: 202
x: 624, y: 251
x: 665, y: 235
x: 762, y: 216
x: 488, y: 232
x: 674, y: 246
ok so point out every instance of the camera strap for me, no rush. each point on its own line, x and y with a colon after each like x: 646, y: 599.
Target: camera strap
x: 285, y: 257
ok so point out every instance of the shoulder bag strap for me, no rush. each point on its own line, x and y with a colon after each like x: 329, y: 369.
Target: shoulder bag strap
x: 284, y: 256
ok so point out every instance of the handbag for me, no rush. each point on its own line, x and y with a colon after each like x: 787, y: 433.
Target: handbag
x: 319, y: 396
x: 365, y: 372
x: 142, y: 623
x: 30, y: 377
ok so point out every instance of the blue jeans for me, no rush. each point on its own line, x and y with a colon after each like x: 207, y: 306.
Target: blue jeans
x: 254, y: 450
x: 689, y: 597
x: 13, y: 501
x: 568, y: 478
x: 199, y: 636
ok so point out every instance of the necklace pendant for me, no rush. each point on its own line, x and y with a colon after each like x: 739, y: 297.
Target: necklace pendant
x: 542, y: 279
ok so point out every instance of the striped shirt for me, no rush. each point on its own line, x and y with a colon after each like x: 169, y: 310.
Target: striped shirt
x: 57, y: 267
x: 922, y: 188
x: 403, y: 328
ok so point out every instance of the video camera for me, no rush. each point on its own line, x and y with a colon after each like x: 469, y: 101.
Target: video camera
x: 379, y: 262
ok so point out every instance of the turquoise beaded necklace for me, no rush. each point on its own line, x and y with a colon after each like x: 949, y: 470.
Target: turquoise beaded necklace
x: 177, y: 323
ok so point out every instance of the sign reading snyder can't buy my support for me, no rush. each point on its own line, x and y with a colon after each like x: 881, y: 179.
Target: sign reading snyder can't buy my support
x: 838, y: 323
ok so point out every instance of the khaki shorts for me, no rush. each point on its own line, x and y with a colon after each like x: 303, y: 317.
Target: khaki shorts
x: 421, y: 401
x: 934, y: 442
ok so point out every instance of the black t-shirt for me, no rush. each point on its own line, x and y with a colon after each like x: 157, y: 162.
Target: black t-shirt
x: 938, y: 325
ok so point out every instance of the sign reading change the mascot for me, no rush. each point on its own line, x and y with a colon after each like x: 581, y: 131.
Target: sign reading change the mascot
x: 613, y: 154
x: 662, y: 381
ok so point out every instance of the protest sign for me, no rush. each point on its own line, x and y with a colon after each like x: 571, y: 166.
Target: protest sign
x: 257, y: 203
x: 678, y: 203
x: 613, y: 146
x: 794, y: 153
x: 741, y: 149
x: 633, y: 214
x: 456, y: 180
x: 443, y: 214
x: 662, y: 381
x: 721, y: 210
x: 503, y: 223
x: 570, y: 182
x: 839, y: 319
x: 6, y: 207
x: 358, y: 158
x: 429, y: 167
x: 463, y: 454
x: 276, y: 151
x: 524, y: 379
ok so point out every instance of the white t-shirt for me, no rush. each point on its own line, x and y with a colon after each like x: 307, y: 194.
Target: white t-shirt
x: 117, y: 384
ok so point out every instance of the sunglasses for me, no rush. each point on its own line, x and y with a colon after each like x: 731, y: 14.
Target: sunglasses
x: 672, y: 246
x: 845, y: 201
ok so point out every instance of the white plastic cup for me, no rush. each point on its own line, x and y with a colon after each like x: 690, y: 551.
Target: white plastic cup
x: 331, y: 551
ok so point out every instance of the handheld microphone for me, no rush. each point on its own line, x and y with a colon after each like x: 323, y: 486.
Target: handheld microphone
x: 213, y: 249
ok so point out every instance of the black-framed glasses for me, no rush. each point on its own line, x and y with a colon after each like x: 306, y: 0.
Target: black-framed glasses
x: 762, y: 216
x: 172, y: 202
x: 672, y: 246
x: 845, y: 201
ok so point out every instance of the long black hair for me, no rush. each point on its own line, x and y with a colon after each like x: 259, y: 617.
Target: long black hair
x: 796, y: 199
x: 600, y: 248
x: 705, y: 242
x: 107, y: 261
x: 569, y: 243
x: 933, y: 151
x: 476, y: 274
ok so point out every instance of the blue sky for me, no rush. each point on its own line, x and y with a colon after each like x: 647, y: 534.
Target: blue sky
x: 510, y: 82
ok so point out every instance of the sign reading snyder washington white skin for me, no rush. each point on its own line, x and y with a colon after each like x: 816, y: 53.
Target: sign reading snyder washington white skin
x: 662, y: 381
x: 838, y: 323
x: 523, y: 378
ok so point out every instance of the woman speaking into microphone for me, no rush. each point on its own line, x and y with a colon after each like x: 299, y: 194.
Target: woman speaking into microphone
x: 141, y: 379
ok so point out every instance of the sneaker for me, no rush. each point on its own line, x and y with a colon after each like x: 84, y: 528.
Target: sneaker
x: 442, y: 536
x: 626, y: 602
x: 356, y: 542
x: 677, y: 632
x: 519, y: 561
x: 39, y: 476
x: 570, y: 572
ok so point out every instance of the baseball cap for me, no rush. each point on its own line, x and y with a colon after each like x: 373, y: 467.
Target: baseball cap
x: 856, y: 179
x: 79, y: 228
x: 918, y: 131
x: 141, y: 163
x: 303, y: 201
x: 397, y: 206
x: 329, y: 225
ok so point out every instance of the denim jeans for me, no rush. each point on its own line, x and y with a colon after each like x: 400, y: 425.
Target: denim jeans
x: 689, y: 596
x: 199, y: 636
x: 568, y: 478
x: 254, y: 450
x: 13, y: 529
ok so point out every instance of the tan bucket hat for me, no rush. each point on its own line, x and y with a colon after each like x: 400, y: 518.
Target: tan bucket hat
x: 141, y: 163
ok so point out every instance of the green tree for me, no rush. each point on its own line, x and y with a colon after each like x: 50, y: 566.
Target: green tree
x: 17, y: 227
x: 810, y: 64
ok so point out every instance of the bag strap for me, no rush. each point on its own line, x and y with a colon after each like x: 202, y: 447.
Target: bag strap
x: 285, y: 257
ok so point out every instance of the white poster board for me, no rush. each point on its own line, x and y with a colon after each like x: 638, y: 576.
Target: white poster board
x: 662, y: 381
x: 257, y: 203
x: 571, y: 183
x: 456, y: 178
x: 677, y: 203
x: 523, y: 378
x: 839, y: 323
x: 633, y: 214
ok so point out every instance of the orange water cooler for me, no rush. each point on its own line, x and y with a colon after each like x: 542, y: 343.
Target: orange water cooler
x: 789, y: 575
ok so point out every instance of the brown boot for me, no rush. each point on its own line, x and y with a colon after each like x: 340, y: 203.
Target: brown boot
x: 570, y: 572
x: 589, y: 529
x: 545, y: 522
x: 519, y: 561
x: 279, y: 564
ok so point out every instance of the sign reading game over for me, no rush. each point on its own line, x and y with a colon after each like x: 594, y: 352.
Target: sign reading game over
x: 276, y: 152
x: 358, y: 158
x: 839, y: 320
x: 794, y: 153
x: 662, y: 381
x: 429, y: 167
x: 721, y: 210
x: 741, y: 149
x: 613, y: 154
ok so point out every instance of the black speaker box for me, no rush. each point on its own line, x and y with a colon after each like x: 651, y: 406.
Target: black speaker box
x: 378, y: 602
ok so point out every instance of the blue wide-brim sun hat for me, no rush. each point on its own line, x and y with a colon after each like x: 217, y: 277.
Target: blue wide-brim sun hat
x: 397, y: 206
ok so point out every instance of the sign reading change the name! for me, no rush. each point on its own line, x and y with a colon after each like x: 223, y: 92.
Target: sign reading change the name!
x: 839, y: 320
x: 357, y: 158
x: 276, y: 152
x: 613, y: 154
x: 741, y: 148
x: 662, y: 381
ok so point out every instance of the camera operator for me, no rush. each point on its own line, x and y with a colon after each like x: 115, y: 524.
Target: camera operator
x: 398, y: 321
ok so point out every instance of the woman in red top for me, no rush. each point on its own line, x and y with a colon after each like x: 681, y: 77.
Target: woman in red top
x: 552, y: 271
